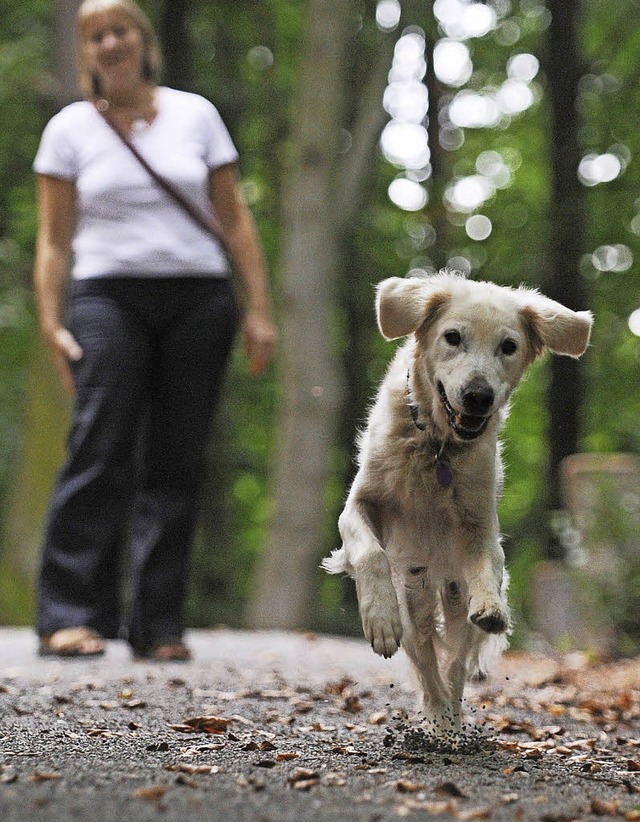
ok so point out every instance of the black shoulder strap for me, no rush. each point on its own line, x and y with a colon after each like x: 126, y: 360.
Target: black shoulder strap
x: 210, y: 225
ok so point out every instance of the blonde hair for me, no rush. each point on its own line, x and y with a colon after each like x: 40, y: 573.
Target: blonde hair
x: 152, y: 62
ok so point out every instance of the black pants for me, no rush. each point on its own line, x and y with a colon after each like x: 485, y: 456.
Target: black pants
x: 154, y: 356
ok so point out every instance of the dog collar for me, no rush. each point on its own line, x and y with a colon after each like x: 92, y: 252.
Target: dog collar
x: 444, y: 472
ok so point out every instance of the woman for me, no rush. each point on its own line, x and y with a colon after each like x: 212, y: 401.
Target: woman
x: 150, y: 324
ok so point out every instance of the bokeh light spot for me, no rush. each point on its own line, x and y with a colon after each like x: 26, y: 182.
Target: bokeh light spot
x: 634, y: 322
x: 388, y: 14
x: 407, y: 194
x: 478, y: 227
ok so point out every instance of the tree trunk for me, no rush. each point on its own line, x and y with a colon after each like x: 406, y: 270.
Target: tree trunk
x: 175, y: 38
x: 439, y: 166
x: 565, y: 398
x: 65, y: 54
x: 311, y: 381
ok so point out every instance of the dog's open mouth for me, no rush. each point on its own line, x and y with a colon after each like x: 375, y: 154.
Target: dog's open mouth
x: 466, y: 426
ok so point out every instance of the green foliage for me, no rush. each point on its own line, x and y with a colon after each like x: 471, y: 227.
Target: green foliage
x: 246, y: 58
x: 23, y: 38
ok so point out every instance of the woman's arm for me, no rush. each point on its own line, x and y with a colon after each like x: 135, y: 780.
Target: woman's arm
x: 242, y: 240
x: 56, y: 215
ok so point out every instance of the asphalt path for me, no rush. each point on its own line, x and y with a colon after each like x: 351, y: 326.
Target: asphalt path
x: 290, y: 727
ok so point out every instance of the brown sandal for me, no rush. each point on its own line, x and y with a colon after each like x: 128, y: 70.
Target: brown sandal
x: 72, y: 642
x: 171, y: 650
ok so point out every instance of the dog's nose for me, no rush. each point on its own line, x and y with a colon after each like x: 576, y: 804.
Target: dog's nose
x: 478, y: 398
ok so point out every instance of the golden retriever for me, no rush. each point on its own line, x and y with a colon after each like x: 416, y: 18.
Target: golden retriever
x: 420, y: 528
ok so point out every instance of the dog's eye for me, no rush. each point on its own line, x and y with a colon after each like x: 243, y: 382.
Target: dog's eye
x: 453, y: 338
x: 509, y: 347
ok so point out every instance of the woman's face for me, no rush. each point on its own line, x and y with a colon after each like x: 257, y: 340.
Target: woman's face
x: 113, y: 48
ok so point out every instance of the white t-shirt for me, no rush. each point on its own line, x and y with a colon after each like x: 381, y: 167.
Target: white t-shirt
x: 126, y: 224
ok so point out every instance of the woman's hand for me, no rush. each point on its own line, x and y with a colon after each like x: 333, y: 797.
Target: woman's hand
x: 259, y: 334
x: 64, y: 350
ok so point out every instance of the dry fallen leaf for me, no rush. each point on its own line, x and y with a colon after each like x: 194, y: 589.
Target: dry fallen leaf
x: 302, y: 706
x: 305, y: 784
x: 132, y: 704
x: 337, y: 688
x: 265, y: 745
x: 286, y: 756
x: 352, y: 704
x: 405, y: 786
x: 474, y: 813
x: 318, y: 726
x: 158, y: 746
x: 431, y: 807
x: 203, y: 724
x: 186, y: 767
x: 302, y: 775
x: 449, y: 789
x: 334, y: 780
x: 601, y: 808
x: 155, y: 792
x: 40, y: 776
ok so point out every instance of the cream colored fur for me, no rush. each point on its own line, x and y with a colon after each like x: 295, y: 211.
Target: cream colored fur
x: 427, y: 558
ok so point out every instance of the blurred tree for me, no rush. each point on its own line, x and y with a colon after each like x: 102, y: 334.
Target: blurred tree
x: 323, y: 191
x: 65, y: 52
x: 563, y: 281
x: 175, y: 37
x: 311, y: 379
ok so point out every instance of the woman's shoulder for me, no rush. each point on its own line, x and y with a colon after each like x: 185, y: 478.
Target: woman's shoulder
x: 71, y: 116
x: 184, y: 100
x: 74, y: 111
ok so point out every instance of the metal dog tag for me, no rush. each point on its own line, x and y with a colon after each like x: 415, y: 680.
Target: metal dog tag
x: 444, y: 474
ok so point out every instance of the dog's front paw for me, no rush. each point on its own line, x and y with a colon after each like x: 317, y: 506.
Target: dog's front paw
x: 381, y: 623
x: 491, y: 616
x: 383, y: 632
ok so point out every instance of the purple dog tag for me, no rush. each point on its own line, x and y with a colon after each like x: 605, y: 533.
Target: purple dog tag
x: 444, y: 474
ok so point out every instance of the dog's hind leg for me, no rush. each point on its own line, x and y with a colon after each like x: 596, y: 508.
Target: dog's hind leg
x: 419, y: 609
x: 459, y: 639
x: 471, y: 652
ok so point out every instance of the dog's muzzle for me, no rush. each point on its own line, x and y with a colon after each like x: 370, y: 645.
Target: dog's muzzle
x: 470, y: 423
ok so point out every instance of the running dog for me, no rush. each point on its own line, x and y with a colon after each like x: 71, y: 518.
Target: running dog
x: 420, y: 528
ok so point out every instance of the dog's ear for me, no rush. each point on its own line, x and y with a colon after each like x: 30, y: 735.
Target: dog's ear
x: 404, y: 304
x: 550, y: 325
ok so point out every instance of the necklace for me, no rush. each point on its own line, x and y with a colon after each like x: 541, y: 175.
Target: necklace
x: 129, y: 117
x: 444, y: 472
